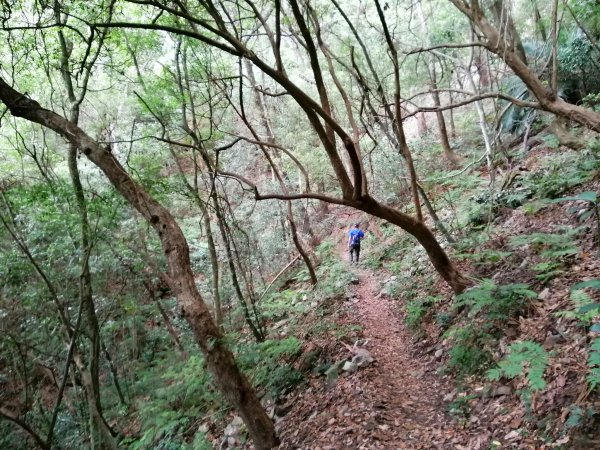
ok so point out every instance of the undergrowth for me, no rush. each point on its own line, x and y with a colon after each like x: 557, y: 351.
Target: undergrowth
x: 473, y: 323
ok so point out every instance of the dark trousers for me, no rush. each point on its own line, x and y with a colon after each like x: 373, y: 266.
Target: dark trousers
x: 354, y: 249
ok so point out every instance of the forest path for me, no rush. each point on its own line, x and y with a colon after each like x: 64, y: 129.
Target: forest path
x: 394, y: 403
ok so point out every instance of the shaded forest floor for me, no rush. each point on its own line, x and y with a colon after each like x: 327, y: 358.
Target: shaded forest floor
x: 420, y: 392
x: 429, y: 384
x: 394, y: 403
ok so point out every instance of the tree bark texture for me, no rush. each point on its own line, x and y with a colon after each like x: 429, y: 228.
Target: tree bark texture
x: 219, y: 359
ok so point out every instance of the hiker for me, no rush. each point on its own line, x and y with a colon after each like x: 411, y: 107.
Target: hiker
x: 355, y: 235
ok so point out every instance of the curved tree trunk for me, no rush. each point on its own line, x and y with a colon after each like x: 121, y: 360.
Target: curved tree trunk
x: 219, y: 359
x: 424, y: 235
x: 449, y: 153
x: 548, y: 100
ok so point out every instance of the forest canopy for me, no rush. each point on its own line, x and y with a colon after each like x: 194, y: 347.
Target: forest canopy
x: 173, y: 173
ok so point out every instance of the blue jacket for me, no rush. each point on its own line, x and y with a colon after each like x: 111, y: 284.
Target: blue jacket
x: 356, y: 235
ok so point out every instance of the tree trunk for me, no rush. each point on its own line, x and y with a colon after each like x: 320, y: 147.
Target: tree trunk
x: 256, y: 329
x: 482, y: 69
x: 436, y: 219
x: 423, y: 234
x: 219, y: 359
x: 450, y: 155
x: 421, y: 124
x: 259, y: 104
x: 503, y: 17
x: 548, y: 101
x: 90, y: 372
x: 214, y: 264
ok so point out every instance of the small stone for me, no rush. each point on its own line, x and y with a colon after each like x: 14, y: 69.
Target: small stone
x: 203, y: 428
x: 231, y: 430
x: 525, y: 263
x: 282, y: 410
x: 362, y: 358
x: 308, y: 360
x: 502, y: 390
x: 512, y: 435
x: 354, y: 281
x: 438, y: 354
x: 552, y: 340
x: 449, y: 397
x: 350, y: 367
x: 237, y: 421
x: 280, y: 324
x: 544, y: 294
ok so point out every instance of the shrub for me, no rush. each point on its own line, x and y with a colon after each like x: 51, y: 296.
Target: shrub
x: 469, y: 354
x: 525, y: 357
x: 417, y: 309
x: 498, y: 302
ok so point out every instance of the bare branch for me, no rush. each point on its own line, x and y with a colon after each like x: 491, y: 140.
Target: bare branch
x: 449, y: 45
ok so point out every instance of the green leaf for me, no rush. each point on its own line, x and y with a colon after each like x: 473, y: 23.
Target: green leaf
x: 595, y: 328
x: 525, y: 358
x: 585, y: 196
x: 595, y: 284
x: 585, y: 216
x: 588, y: 308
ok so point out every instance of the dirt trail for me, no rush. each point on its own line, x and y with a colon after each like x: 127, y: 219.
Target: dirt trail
x: 396, y: 403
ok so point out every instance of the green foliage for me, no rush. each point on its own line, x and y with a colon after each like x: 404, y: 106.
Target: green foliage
x: 550, y: 245
x: 416, y: 310
x: 547, y: 270
x: 470, y: 352
x: 588, y: 196
x: 266, y: 366
x: 175, y: 397
x: 514, y: 118
x: 498, y: 302
x: 282, y: 304
x: 526, y: 357
x: 333, y: 274
x: 593, y: 362
x: 595, y: 284
x: 533, y: 207
x: 584, y: 308
x: 585, y: 311
x: 560, y: 174
x: 486, y: 256
x: 460, y: 407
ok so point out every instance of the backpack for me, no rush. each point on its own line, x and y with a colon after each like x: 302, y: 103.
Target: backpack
x: 355, y: 237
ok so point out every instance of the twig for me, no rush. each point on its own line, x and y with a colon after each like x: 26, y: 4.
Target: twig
x: 277, y: 277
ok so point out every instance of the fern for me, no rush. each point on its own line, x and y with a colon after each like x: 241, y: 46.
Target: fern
x: 550, y: 245
x: 469, y: 353
x: 594, y: 364
x: 584, y: 309
x: 498, y: 301
x: 526, y: 356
